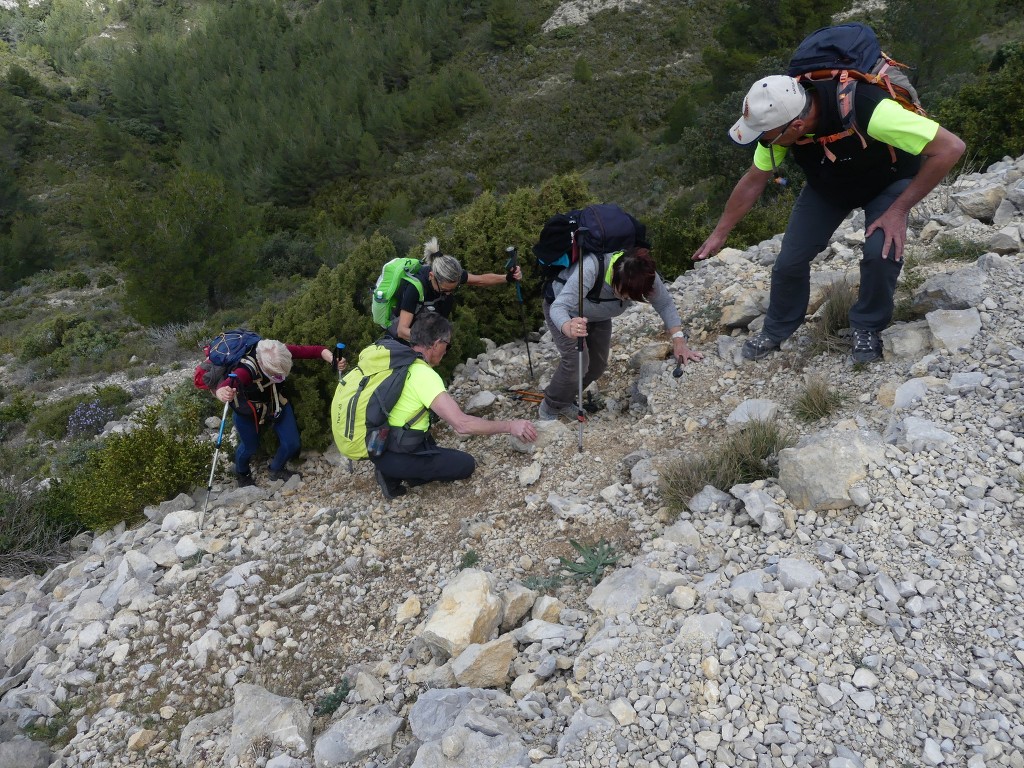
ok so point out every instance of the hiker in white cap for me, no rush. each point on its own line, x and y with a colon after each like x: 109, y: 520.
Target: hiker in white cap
x: 883, y: 160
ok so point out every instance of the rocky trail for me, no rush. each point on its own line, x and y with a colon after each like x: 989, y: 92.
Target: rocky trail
x: 860, y: 608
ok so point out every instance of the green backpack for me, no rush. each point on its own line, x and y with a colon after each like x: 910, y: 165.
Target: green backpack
x: 367, y: 393
x: 384, y: 292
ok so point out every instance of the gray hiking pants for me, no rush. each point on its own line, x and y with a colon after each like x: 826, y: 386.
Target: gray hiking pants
x: 812, y: 222
x: 562, y: 390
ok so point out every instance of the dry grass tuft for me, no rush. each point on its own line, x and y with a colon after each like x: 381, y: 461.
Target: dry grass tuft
x: 817, y: 400
x: 742, y: 458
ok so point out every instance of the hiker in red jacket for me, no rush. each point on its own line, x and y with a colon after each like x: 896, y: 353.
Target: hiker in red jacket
x: 254, y: 397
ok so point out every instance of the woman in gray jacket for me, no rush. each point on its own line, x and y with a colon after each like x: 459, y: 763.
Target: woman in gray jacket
x: 626, y: 277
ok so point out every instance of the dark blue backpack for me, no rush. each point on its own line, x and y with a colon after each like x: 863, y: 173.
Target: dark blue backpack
x: 846, y: 46
x: 848, y: 54
x: 225, y: 352
x: 603, y: 228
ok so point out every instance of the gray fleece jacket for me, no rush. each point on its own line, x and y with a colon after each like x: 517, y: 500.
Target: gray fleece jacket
x: 567, y: 296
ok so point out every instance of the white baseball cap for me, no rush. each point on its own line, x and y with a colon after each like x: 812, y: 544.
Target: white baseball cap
x: 770, y: 103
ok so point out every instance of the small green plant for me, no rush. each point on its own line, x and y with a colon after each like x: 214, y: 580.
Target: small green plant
x: 329, y: 704
x: 591, y: 560
x: 817, y: 400
x: 742, y: 458
x: 545, y: 584
x: 950, y: 248
x: 469, y: 559
x: 834, y: 317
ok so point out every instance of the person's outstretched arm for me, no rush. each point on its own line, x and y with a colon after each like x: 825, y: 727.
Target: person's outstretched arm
x: 489, y: 279
x: 444, y: 405
x: 746, y: 192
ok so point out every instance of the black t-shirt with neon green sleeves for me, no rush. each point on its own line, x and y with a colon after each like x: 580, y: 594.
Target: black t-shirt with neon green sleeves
x: 409, y: 298
x: 858, y: 174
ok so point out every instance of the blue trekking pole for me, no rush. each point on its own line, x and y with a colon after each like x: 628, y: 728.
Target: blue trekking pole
x: 510, y: 265
x: 216, y: 454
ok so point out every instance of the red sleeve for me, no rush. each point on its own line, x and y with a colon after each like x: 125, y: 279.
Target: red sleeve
x: 305, y: 352
x: 243, y: 378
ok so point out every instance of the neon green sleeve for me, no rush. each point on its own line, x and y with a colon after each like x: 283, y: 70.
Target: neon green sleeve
x: 763, y: 156
x: 901, y: 128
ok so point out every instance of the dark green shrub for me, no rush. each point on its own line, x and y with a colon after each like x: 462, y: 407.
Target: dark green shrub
x: 105, y: 280
x: 129, y: 471
x: 74, y: 279
x: 185, y: 408
x: 15, y: 413
x: 988, y: 113
x: 43, y: 339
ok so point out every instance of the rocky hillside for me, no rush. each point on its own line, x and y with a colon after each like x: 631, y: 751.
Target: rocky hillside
x: 860, y: 608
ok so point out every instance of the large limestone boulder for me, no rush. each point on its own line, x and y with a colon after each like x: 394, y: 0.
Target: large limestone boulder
x: 962, y: 289
x: 623, y: 590
x: 954, y: 329
x: 819, y: 472
x: 486, y: 665
x: 258, y: 712
x: 469, y: 612
x: 980, y: 202
x: 359, y: 733
x: 907, y: 341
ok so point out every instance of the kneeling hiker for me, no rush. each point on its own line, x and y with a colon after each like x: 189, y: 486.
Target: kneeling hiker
x: 252, y: 390
x: 409, y: 452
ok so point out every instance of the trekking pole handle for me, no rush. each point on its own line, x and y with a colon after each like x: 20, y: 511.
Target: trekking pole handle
x: 223, y: 419
x: 510, y: 266
x: 338, y: 354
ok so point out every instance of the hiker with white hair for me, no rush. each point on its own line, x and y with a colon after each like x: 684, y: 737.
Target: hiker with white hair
x: 252, y: 389
x: 439, y: 278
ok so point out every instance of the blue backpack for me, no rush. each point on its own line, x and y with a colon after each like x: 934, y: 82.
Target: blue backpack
x: 225, y: 352
x: 848, y: 54
x: 602, y: 228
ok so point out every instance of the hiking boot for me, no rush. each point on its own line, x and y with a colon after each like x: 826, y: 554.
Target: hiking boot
x: 547, y: 413
x: 244, y: 481
x: 759, y: 346
x: 390, y: 490
x: 282, y: 474
x: 867, y: 346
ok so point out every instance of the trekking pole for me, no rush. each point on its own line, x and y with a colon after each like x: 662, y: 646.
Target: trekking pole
x: 216, y: 454
x: 580, y: 415
x: 510, y: 265
x: 339, y: 352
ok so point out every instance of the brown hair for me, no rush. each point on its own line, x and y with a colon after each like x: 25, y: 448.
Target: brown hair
x: 633, y: 274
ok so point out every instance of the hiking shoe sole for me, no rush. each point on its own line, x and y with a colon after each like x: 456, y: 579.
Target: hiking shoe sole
x: 389, y: 492
x: 866, y: 356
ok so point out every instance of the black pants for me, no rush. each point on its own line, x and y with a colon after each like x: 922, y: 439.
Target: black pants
x: 813, y: 221
x: 425, y: 466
